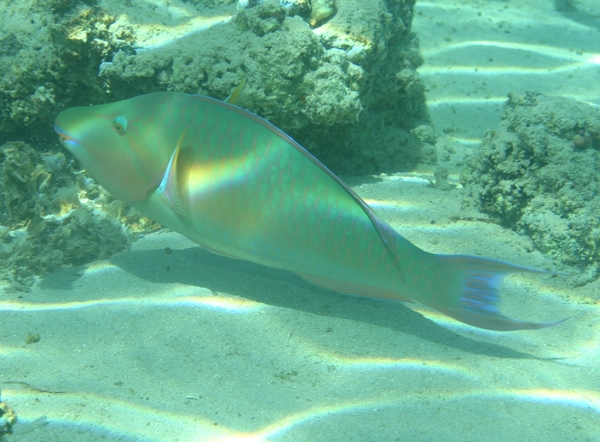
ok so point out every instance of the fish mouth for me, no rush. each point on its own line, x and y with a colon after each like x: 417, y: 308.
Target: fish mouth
x: 66, y: 139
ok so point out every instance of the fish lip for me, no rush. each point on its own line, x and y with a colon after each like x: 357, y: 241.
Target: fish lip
x: 66, y: 139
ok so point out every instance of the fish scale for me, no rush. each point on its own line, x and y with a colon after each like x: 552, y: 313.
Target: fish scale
x: 240, y: 187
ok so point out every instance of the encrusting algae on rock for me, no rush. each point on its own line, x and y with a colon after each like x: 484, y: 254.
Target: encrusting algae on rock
x: 331, y: 74
x: 532, y: 175
x: 321, y: 10
x: 52, y: 215
x: 319, y: 84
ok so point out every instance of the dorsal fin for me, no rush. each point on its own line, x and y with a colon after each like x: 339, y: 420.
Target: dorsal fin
x: 235, y: 95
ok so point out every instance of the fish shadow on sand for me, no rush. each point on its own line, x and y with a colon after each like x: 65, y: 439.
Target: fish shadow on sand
x: 198, y: 267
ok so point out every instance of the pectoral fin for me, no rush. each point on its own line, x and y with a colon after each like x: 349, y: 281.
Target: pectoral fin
x: 173, y: 187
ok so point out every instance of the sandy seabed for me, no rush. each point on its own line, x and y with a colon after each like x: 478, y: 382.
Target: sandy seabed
x: 168, y: 342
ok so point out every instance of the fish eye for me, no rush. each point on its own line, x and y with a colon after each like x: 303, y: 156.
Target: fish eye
x: 120, y: 124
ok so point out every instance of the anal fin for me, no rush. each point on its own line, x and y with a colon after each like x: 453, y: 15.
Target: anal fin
x: 353, y: 289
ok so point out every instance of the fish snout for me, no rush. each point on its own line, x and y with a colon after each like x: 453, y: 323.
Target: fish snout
x: 66, y: 138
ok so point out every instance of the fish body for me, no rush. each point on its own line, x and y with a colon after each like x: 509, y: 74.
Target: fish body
x: 240, y: 187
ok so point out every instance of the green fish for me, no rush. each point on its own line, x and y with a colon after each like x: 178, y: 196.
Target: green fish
x: 240, y: 187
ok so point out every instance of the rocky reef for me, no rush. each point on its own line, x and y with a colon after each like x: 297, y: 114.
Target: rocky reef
x: 53, y: 215
x: 537, y: 173
x: 339, y: 76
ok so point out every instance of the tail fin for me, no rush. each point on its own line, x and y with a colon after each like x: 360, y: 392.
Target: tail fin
x: 475, y: 300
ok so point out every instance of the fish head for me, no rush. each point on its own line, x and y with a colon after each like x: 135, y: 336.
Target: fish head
x: 125, y: 146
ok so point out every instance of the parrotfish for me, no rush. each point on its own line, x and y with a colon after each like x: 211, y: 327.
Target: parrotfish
x: 240, y: 187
